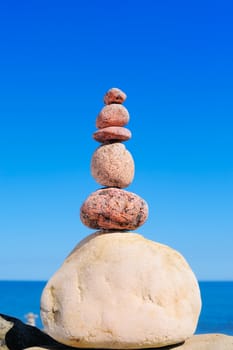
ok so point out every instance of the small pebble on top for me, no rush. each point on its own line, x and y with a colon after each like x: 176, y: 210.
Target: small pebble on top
x: 114, y: 95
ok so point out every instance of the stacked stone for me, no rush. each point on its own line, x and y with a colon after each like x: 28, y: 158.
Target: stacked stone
x: 119, y: 290
x: 112, y: 166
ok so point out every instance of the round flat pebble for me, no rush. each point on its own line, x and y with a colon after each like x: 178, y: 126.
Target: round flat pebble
x: 114, y: 209
x: 112, y: 133
x: 112, y: 115
x: 114, y: 95
x: 112, y: 165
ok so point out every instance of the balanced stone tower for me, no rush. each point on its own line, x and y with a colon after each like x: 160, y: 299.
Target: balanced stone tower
x: 112, y: 165
x: 117, y: 289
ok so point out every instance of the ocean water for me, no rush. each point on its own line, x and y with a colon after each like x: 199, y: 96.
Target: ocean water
x: 17, y: 298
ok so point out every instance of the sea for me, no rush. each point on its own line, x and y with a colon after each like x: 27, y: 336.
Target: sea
x: 18, y: 298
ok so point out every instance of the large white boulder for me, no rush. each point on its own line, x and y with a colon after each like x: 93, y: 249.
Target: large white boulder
x: 121, y: 291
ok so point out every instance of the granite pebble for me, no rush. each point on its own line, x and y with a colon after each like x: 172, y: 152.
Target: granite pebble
x: 112, y: 165
x: 114, y: 209
x: 112, y: 115
x: 112, y: 134
x: 114, y: 95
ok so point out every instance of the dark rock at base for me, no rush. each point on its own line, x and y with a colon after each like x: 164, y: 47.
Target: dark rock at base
x: 16, y: 335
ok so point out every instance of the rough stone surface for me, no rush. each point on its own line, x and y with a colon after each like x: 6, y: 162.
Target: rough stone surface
x: 208, y: 342
x: 112, y: 133
x: 114, y: 95
x: 112, y: 115
x: 121, y: 291
x: 114, y: 209
x: 112, y: 165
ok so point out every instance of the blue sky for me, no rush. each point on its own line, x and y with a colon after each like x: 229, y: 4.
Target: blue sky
x: 174, y: 59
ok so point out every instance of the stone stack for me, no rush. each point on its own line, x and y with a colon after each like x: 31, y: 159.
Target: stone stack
x: 117, y: 289
x: 112, y: 165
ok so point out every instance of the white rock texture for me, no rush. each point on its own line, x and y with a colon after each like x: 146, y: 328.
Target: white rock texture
x: 208, y: 342
x: 121, y: 291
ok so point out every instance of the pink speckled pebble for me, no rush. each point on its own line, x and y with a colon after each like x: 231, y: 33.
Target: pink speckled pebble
x: 112, y: 115
x: 112, y: 133
x: 114, y: 209
x: 114, y: 95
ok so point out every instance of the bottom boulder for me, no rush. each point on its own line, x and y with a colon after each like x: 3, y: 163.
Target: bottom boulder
x: 121, y: 291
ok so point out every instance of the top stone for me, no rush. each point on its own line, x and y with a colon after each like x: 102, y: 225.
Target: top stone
x: 114, y: 95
